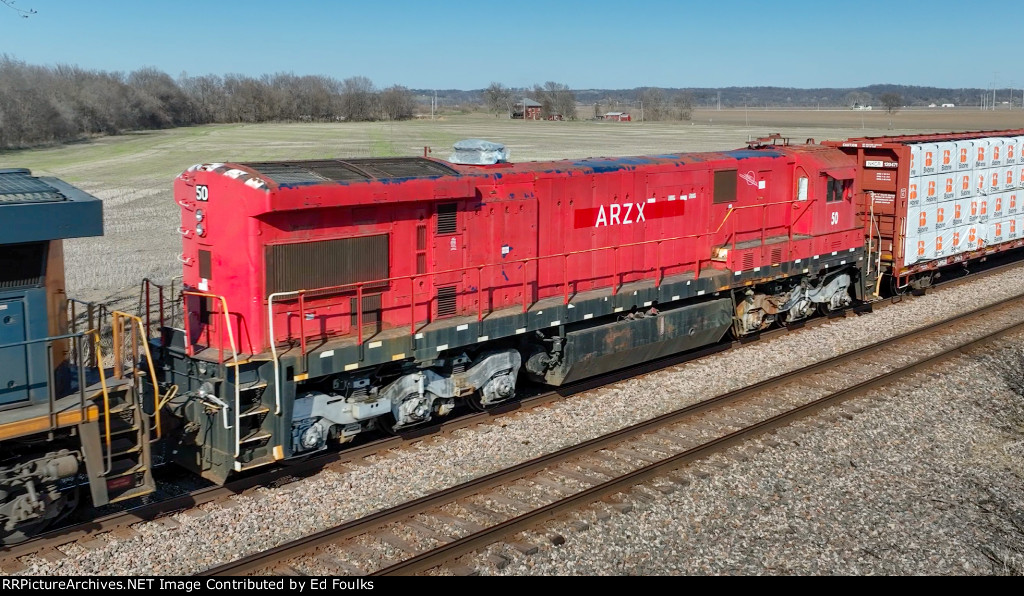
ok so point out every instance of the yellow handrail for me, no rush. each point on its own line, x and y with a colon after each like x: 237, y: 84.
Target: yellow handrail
x: 106, y: 400
x: 138, y: 331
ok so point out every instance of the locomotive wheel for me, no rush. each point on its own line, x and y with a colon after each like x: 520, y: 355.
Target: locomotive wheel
x: 386, y: 424
x: 67, y: 504
x: 474, y: 402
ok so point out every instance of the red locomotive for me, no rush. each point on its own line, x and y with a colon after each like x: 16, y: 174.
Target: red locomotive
x: 329, y: 297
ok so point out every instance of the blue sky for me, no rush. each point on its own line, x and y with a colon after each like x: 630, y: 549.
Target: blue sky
x: 588, y: 44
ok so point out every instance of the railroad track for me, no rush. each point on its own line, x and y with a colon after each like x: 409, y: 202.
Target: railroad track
x: 437, y: 529
x: 119, y: 524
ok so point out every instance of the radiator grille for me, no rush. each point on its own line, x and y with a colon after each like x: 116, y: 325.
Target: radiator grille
x: 421, y: 237
x: 776, y: 256
x: 19, y: 186
x: 447, y: 218
x: 326, y: 263
x: 446, y: 301
x: 748, y: 261
x: 323, y: 170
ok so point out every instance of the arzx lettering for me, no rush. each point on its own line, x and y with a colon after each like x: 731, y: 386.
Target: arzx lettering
x: 620, y: 214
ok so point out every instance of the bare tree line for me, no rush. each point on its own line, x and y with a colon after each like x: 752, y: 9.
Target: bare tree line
x: 43, y: 105
x: 555, y: 99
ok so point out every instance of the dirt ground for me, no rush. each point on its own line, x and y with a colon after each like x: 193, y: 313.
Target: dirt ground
x: 133, y: 173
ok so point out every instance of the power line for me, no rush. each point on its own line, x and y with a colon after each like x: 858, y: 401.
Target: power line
x: 23, y: 12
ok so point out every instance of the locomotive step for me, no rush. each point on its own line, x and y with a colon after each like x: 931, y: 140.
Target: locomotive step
x: 259, y: 461
x: 255, y: 411
x: 123, y: 446
x: 135, y: 491
x: 258, y: 435
x: 124, y: 466
x: 120, y: 430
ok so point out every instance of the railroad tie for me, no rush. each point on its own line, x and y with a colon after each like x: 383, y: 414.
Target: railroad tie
x: 482, y: 510
x: 389, y: 537
x: 12, y: 566
x: 548, y: 483
x: 655, y: 447
x: 602, y: 470
x: 523, y: 547
x: 336, y: 565
x: 51, y: 555
x: 582, y: 478
x: 498, y: 561
x: 682, y: 437
x: 579, y: 525
x: 513, y: 503
x: 361, y: 552
x: 123, y: 533
x: 456, y: 521
x: 428, y: 531
x: 93, y: 543
x: 627, y: 452
x: 608, y: 457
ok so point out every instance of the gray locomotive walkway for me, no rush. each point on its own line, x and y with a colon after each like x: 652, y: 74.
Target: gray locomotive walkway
x: 798, y: 513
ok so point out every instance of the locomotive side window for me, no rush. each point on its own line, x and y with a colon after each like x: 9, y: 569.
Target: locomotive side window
x: 725, y: 186
x: 327, y: 263
x: 447, y: 215
x: 836, y: 190
x: 22, y: 264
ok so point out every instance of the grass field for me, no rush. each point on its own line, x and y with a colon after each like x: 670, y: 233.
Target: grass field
x: 133, y: 173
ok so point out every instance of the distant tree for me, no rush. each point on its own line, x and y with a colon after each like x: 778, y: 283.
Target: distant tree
x: 652, y: 101
x: 358, y: 96
x: 891, y: 101
x: 396, y: 103
x: 597, y: 111
x: 556, y: 99
x: 499, y: 99
x: 683, y: 105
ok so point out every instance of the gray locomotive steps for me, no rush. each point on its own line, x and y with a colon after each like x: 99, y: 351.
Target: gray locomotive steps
x: 330, y: 498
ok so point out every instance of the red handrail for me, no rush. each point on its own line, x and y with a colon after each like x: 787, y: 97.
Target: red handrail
x: 359, y: 286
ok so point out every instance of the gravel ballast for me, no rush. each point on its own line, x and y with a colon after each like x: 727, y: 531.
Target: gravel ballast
x: 815, y: 484
x: 928, y: 481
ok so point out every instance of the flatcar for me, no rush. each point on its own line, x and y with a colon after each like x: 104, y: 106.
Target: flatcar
x: 935, y: 201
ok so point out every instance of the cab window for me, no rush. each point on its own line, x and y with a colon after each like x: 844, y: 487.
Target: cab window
x: 836, y: 190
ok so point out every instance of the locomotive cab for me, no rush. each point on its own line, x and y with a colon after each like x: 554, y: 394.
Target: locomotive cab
x: 55, y: 400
